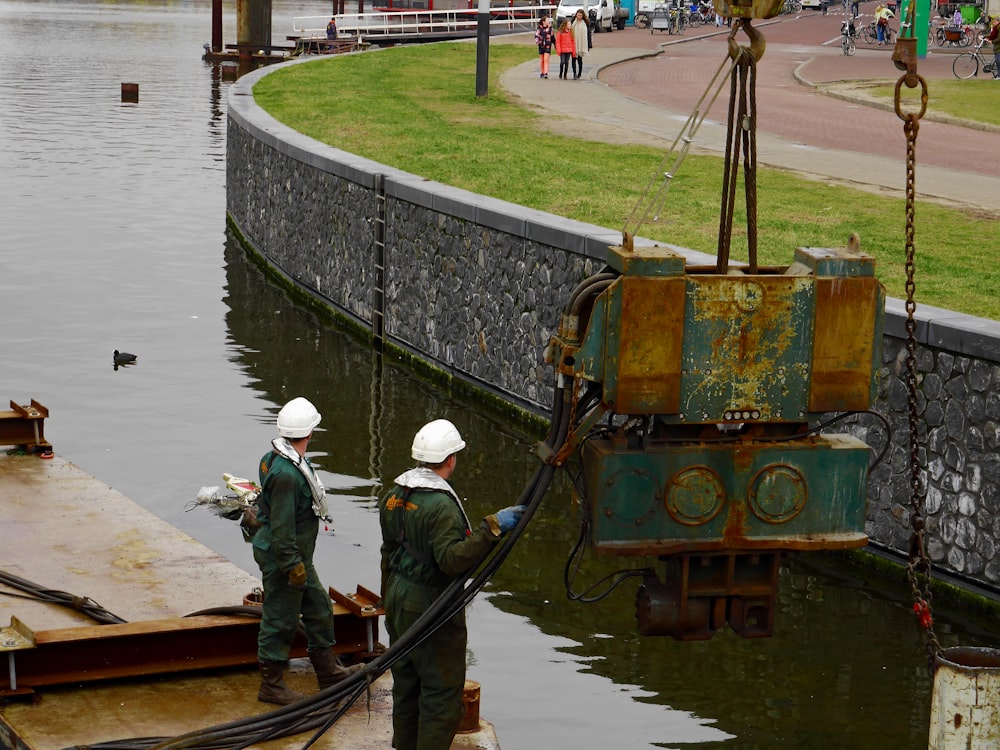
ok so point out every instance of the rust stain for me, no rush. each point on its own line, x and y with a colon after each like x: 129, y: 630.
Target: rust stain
x: 752, y: 325
x: 131, y: 556
x: 649, y: 348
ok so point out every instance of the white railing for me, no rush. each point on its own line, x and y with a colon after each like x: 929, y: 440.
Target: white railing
x: 404, y: 21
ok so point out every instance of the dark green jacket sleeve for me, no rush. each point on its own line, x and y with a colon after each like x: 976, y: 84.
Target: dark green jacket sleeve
x: 454, y: 551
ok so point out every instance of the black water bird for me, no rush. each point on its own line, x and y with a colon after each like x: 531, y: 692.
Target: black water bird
x: 123, y: 358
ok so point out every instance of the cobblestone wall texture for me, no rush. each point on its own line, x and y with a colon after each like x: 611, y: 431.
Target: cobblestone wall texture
x: 475, y: 286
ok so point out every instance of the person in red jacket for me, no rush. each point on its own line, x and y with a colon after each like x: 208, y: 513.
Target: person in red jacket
x: 566, y: 47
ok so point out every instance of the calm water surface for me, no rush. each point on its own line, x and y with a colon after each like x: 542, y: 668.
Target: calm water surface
x: 112, y: 235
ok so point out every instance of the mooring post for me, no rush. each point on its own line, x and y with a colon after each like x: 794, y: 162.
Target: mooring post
x: 216, y: 25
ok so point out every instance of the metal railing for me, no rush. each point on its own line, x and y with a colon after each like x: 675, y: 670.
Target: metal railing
x: 503, y: 18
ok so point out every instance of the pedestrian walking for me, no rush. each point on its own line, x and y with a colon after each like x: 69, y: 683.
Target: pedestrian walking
x: 544, y: 39
x: 994, y: 37
x: 581, y: 37
x: 565, y: 48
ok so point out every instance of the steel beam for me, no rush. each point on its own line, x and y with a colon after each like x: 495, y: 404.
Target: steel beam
x: 180, y: 644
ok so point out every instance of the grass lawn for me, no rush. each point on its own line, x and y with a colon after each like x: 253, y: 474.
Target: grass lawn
x: 415, y: 108
x: 976, y: 99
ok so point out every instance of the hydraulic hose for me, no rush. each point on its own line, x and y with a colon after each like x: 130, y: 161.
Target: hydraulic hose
x: 580, y: 289
x: 83, y: 604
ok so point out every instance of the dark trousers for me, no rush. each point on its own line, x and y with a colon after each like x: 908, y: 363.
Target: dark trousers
x: 564, y: 63
x: 282, y: 606
x: 427, y: 687
x: 577, y: 66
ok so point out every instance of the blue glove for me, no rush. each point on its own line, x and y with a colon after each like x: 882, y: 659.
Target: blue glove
x: 508, y: 517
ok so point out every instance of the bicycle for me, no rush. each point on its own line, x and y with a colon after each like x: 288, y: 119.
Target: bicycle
x: 695, y: 19
x: 955, y: 36
x: 848, y: 33
x: 967, y: 64
x: 870, y: 33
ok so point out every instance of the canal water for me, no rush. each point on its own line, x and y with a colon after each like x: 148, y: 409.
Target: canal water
x: 112, y: 236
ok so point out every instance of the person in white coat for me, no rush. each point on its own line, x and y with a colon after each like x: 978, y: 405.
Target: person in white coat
x: 581, y: 35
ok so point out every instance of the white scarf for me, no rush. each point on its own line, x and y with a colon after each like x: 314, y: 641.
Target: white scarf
x: 284, y: 448
x: 422, y: 478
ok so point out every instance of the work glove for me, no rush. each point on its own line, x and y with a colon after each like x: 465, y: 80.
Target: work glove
x: 504, y: 520
x: 297, y: 576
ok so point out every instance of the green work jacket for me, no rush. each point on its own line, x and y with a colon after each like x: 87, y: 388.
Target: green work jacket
x: 439, y: 544
x: 285, y: 509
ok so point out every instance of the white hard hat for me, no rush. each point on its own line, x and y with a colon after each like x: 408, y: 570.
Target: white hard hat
x: 297, y: 418
x: 435, y: 441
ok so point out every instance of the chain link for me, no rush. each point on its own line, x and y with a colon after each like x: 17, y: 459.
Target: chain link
x: 918, y: 568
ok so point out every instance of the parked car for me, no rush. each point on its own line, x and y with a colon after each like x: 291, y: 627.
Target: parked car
x: 604, y: 15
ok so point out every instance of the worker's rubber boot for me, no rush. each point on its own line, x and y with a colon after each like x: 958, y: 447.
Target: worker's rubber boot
x: 272, y: 687
x: 329, y: 670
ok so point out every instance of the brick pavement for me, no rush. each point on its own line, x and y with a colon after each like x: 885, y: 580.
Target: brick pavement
x: 640, y: 87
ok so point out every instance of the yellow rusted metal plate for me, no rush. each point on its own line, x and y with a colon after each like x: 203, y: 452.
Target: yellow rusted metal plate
x: 651, y: 332
x: 844, y: 342
x: 16, y: 637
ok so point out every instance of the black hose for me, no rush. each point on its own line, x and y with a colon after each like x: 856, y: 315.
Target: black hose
x: 83, y: 604
x: 597, y: 284
x: 578, y: 290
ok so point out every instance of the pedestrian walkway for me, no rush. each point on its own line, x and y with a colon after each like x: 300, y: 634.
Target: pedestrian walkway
x: 637, y: 88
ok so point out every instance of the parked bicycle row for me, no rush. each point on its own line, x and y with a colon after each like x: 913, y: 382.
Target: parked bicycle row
x: 674, y: 17
x: 877, y: 31
x: 965, y: 65
x: 968, y: 64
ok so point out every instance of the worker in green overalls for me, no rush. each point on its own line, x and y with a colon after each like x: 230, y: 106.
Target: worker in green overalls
x: 291, y: 503
x: 427, y: 542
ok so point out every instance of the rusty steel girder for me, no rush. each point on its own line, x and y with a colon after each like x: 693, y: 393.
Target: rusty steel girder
x: 24, y: 426
x: 179, y: 644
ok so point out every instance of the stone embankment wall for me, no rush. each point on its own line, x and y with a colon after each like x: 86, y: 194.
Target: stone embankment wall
x: 474, y: 286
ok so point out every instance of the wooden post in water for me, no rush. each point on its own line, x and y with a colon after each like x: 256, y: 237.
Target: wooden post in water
x: 216, y: 25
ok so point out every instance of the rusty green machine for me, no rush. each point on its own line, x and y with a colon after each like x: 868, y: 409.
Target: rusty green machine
x: 696, y: 393
x: 699, y: 389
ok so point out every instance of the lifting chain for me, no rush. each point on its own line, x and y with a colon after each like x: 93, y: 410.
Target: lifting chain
x: 741, y: 136
x: 918, y: 568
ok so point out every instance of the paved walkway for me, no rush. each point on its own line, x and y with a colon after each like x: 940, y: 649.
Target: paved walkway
x: 640, y: 88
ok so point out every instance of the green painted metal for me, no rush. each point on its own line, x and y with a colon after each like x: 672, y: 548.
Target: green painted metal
x: 687, y: 497
x: 746, y: 349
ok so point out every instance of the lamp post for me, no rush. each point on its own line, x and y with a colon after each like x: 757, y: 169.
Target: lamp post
x: 483, y: 49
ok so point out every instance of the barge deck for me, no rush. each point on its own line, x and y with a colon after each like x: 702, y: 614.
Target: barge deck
x: 67, y: 531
